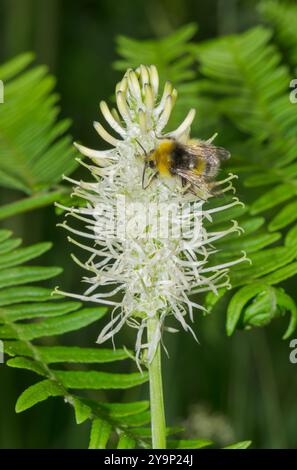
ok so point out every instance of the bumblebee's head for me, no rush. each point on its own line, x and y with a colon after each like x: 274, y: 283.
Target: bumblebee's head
x: 159, y: 159
x: 150, y: 162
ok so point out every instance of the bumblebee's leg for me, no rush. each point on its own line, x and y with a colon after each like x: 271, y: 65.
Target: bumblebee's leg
x: 151, y: 178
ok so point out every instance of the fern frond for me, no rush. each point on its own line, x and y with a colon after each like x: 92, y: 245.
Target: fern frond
x: 282, y: 17
x: 28, y: 314
x: 35, y: 150
x: 257, y: 103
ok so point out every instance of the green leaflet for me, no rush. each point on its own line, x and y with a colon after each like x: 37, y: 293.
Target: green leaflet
x: 27, y: 311
x: 23, y: 275
x: 291, y: 237
x: 136, y: 420
x: 147, y: 432
x: 9, y: 245
x: 281, y: 274
x: 272, y: 198
x: 56, y: 317
x: 57, y: 354
x: 15, y: 65
x: 285, y: 216
x: 237, y: 303
x: 188, y: 444
x: 267, y: 303
x: 30, y: 203
x: 239, y: 445
x: 121, y: 410
x: 50, y: 326
x: 100, y: 433
x: 99, y: 380
x: 24, y: 363
x: 37, y: 393
x: 81, y: 410
x: 16, y: 295
x: 4, y: 235
x: 262, y: 263
x: 126, y: 442
x: 250, y: 244
x: 23, y: 255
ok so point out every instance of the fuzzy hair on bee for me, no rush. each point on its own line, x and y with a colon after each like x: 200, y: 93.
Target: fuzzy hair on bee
x: 196, y: 163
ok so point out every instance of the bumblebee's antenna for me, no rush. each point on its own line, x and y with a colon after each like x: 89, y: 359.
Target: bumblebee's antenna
x: 145, y: 162
x: 143, y: 173
x: 142, y: 147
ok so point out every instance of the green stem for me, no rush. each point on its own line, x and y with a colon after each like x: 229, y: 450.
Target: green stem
x: 156, y: 392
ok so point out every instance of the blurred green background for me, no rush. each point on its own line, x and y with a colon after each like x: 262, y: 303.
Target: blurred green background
x: 229, y: 389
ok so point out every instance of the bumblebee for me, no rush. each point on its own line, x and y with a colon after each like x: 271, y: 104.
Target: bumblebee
x: 196, y: 163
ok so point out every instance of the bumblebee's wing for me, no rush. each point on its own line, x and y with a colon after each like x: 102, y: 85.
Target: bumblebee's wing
x: 206, y: 150
x: 197, y: 183
x: 210, y: 154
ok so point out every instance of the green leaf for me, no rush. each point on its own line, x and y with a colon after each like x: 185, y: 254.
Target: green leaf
x: 15, y: 65
x: 37, y: 393
x: 250, y: 244
x: 281, y: 274
x: 26, y: 311
x: 262, y: 263
x: 284, y: 217
x: 188, y: 444
x: 99, y: 380
x: 9, y: 245
x: 23, y: 254
x: 136, y: 420
x: 147, y: 432
x: 291, y: 237
x: 238, y: 302
x: 57, y: 354
x: 23, y: 275
x: 28, y: 364
x: 100, y: 433
x: 272, y: 198
x: 82, y: 411
x: 239, y: 445
x: 16, y: 295
x: 126, y: 442
x: 121, y: 410
x: 4, y: 235
x: 50, y: 326
x: 288, y: 304
x: 30, y: 203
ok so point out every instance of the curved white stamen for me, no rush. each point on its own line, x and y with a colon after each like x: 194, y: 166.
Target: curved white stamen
x: 111, y: 120
x: 96, y: 154
x: 142, y: 121
x: 144, y: 74
x: 165, y: 115
x: 154, y: 79
x: 148, y: 97
x: 167, y: 92
x: 185, y: 125
x: 105, y: 135
x: 123, y: 107
x: 134, y: 86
